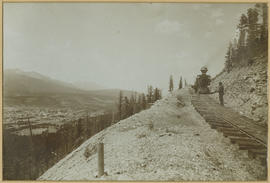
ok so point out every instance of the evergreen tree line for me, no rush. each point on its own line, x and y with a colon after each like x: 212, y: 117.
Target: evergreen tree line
x: 252, y: 38
x: 180, y: 85
x: 137, y: 102
x: 23, y: 160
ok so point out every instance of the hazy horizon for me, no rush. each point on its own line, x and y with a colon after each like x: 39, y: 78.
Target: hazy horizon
x: 119, y: 45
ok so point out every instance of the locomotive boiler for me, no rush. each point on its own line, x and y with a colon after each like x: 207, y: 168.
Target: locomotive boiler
x: 202, y: 82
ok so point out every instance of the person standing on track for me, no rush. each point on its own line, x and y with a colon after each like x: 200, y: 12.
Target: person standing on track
x: 221, y: 93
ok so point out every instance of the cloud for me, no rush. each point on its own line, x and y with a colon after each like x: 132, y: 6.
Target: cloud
x: 219, y: 21
x: 68, y: 43
x: 200, y: 6
x: 175, y: 28
x: 217, y: 13
x: 184, y: 34
x: 12, y: 33
x: 169, y: 27
x: 208, y: 34
x: 181, y: 55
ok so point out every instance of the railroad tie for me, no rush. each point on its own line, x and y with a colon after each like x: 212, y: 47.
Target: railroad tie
x: 242, y: 140
x: 250, y: 146
x: 234, y: 134
x: 218, y: 125
x: 224, y: 129
x: 258, y: 151
x: 232, y: 126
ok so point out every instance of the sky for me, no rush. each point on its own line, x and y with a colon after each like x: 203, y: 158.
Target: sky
x: 119, y: 45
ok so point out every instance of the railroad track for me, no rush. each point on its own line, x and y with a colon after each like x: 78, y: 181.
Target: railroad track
x: 240, y: 130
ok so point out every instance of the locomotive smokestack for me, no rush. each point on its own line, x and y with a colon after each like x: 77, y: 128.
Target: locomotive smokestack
x: 204, y: 70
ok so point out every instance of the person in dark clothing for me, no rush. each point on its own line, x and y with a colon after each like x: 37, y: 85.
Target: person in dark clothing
x: 221, y: 93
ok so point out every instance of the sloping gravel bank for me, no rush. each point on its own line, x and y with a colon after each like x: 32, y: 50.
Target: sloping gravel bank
x: 246, y: 90
x: 170, y: 141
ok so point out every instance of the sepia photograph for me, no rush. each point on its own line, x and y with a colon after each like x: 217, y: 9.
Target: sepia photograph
x: 134, y: 91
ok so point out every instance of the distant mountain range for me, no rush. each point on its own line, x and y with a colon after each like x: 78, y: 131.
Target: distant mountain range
x: 34, y: 89
x: 88, y: 85
x: 19, y: 83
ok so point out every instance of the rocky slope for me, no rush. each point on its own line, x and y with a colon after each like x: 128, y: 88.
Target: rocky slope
x: 170, y: 141
x: 246, y: 90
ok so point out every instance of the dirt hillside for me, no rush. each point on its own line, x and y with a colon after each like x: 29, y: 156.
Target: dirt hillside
x: 170, y: 141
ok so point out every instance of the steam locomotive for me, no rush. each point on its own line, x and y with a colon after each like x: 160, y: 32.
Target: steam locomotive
x: 202, y: 82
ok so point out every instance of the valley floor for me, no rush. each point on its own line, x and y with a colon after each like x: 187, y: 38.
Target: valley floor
x: 170, y: 141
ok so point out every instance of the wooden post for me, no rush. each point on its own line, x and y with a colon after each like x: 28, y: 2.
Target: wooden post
x: 100, y: 150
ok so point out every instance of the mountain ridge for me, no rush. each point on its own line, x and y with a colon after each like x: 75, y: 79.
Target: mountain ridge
x: 27, y: 88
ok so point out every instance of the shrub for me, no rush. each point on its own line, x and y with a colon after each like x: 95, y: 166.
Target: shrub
x: 89, y: 151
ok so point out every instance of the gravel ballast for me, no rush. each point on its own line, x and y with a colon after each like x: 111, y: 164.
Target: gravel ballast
x: 168, y: 142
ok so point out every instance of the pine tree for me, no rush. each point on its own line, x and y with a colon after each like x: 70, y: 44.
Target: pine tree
x: 252, y: 38
x: 150, y: 94
x: 253, y: 32
x: 135, y: 103
x: 234, y: 55
x: 171, y: 84
x: 156, y: 94
x: 143, y: 101
x: 181, y: 83
x: 132, y: 102
x: 126, y: 107
x: 79, y: 128
x: 242, y: 28
x: 228, y: 59
x: 186, y: 83
x: 139, y: 103
x: 120, y: 104
x: 264, y: 28
x: 242, y: 42
x: 160, y: 94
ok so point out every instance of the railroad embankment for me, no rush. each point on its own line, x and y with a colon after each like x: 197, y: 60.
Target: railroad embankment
x: 169, y: 142
x: 246, y: 89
